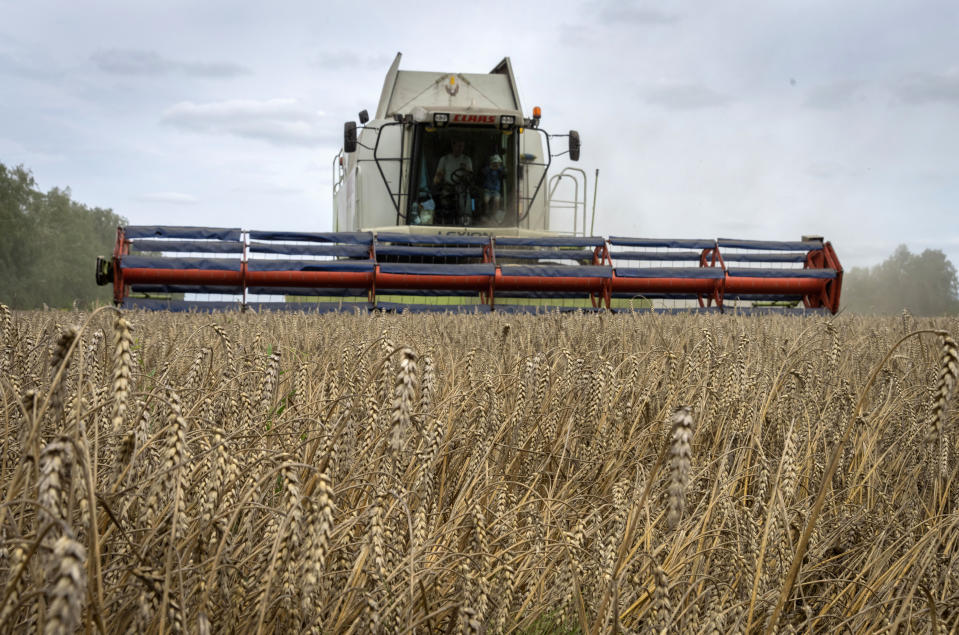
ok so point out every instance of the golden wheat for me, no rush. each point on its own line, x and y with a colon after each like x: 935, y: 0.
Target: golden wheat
x: 514, y: 474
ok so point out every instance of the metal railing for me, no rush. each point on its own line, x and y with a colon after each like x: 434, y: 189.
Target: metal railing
x: 577, y: 204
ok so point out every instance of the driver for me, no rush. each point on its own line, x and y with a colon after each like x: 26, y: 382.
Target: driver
x: 449, y: 163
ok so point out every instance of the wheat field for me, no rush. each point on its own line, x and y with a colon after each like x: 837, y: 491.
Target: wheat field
x: 577, y: 473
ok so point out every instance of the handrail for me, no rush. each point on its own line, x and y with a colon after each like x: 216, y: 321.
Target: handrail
x: 576, y: 202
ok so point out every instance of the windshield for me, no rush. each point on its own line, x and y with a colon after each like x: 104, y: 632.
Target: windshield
x: 463, y: 176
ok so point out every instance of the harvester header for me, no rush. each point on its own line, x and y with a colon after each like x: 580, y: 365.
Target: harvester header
x: 365, y: 270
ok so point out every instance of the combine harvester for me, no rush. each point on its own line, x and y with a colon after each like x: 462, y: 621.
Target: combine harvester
x: 443, y: 201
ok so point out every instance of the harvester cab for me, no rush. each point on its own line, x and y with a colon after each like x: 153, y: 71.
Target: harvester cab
x: 442, y: 201
x: 446, y: 152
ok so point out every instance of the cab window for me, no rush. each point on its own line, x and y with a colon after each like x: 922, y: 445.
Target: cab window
x: 463, y: 176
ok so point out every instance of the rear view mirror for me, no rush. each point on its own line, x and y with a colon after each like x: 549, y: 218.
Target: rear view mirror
x: 574, y: 145
x: 349, y: 136
x: 104, y: 271
x: 364, y: 117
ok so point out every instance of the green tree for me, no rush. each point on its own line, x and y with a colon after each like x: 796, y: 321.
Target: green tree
x: 49, y: 244
x: 17, y: 198
x: 925, y: 284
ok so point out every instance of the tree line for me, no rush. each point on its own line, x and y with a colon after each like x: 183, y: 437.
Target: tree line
x: 49, y: 244
x: 924, y: 284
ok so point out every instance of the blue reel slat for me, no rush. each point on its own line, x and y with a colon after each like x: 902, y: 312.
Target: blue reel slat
x: 440, y: 252
x: 655, y: 255
x: 558, y: 271
x: 670, y: 272
x: 538, y: 254
x: 309, y: 265
x: 184, y: 288
x: 776, y: 245
x: 550, y: 241
x: 348, y: 238
x: 750, y: 272
x: 170, y: 231
x: 198, y: 246
x: 747, y: 257
x: 432, y: 239
x: 438, y: 270
x: 674, y: 243
x: 157, y: 262
x: 347, y: 251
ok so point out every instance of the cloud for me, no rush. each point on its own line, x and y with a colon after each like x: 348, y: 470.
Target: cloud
x: 922, y: 88
x: 345, y: 60
x: 834, y: 95
x: 151, y: 63
x: 175, y: 198
x: 14, y: 152
x: 283, y: 122
x: 684, y: 96
x: 618, y: 12
x: 28, y: 69
x: 576, y: 35
x: 826, y: 170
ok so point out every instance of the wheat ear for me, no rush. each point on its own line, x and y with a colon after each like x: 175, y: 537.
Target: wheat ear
x: 55, y: 485
x: 69, y: 581
x: 948, y: 373
x: 317, y: 547
x: 402, y: 400
x: 122, y: 345
x: 6, y: 323
x: 58, y: 370
x: 680, y: 459
x: 662, y: 608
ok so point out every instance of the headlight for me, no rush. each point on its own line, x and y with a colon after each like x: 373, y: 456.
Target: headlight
x: 441, y: 118
x: 506, y: 121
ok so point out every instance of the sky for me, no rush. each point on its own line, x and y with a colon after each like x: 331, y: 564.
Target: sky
x: 741, y: 119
